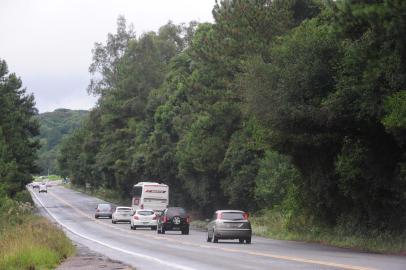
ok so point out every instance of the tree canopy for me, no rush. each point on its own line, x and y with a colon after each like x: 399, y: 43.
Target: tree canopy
x: 18, y: 127
x: 296, y: 104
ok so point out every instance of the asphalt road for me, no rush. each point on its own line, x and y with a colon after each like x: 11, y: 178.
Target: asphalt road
x: 145, y: 249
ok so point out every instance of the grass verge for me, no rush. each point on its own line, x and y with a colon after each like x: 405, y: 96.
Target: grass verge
x: 273, y: 224
x: 28, y: 241
x: 107, y: 195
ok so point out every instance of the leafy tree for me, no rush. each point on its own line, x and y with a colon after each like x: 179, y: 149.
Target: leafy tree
x: 17, y: 131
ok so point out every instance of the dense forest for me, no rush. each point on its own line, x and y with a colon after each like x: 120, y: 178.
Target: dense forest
x: 18, y: 129
x: 296, y: 105
x: 53, y: 127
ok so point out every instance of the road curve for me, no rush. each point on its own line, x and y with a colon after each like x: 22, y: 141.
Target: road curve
x: 145, y: 249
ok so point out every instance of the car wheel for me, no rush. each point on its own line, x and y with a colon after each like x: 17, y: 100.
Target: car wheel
x: 114, y: 222
x: 215, y: 239
x: 248, y: 240
x: 163, y: 230
x: 96, y: 217
x: 185, y: 231
x: 241, y: 240
x: 208, y: 237
x: 110, y: 217
x: 158, y: 231
x: 132, y: 227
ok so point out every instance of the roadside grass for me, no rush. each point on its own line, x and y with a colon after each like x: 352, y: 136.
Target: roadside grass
x: 273, y: 224
x: 51, y: 177
x: 103, y: 194
x: 54, y: 177
x: 28, y: 241
x: 199, y: 224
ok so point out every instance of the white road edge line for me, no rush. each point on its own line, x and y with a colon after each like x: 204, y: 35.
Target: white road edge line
x: 173, y: 265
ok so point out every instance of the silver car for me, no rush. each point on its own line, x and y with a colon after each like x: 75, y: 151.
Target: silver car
x: 104, y: 210
x: 122, y: 214
x: 229, y: 224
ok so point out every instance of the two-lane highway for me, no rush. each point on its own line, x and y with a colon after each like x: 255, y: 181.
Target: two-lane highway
x: 145, y: 249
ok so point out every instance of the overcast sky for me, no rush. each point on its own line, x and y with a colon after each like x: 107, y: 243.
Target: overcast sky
x: 48, y: 43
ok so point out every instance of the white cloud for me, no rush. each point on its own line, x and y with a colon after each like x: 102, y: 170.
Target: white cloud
x: 48, y: 42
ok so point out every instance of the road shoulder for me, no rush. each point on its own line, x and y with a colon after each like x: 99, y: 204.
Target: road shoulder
x: 86, y: 259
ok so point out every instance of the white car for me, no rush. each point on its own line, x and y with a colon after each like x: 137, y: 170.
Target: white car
x: 122, y: 214
x: 42, y: 188
x: 144, y: 218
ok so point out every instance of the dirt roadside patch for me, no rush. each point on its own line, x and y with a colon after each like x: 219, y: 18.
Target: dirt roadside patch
x: 85, y: 259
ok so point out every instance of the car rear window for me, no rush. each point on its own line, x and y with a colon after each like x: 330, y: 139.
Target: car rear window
x: 232, y: 215
x: 123, y: 209
x: 176, y: 212
x: 145, y: 213
x: 104, y: 206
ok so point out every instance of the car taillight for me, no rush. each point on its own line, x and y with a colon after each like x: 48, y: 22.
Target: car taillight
x: 142, y: 206
x: 165, y: 219
x: 136, y: 217
x: 154, y: 217
x: 188, y: 220
x: 245, y: 216
x: 219, y: 215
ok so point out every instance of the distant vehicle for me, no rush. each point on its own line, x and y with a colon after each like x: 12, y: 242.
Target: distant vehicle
x: 173, y: 219
x: 144, y: 218
x: 121, y: 214
x: 35, y: 185
x: 150, y: 195
x: 104, y: 210
x: 229, y: 224
x: 42, y: 188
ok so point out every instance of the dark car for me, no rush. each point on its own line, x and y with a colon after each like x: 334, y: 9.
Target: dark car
x: 229, y: 224
x: 173, y: 219
x: 104, y: 210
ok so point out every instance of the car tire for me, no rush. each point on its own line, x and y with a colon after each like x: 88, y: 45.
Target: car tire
x: 96, y: 217
x: 114, y: 222
x: 162, y: 230
x: 132, y: 227
x: 208, y: 238
x: 241, y: 240
x: 215, y: 239
x: 185, y: 231
x: 158, y: 231
x: 110, y: 217
x: 248, y: 240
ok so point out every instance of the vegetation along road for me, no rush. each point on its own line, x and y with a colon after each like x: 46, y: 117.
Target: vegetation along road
x: 145, y: 249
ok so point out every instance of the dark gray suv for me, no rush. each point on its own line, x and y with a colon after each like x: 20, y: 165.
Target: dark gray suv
x: 173, y: 219
x: 229, y: 224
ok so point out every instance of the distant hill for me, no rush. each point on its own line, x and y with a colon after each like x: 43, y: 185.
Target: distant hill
x: 53, y: 127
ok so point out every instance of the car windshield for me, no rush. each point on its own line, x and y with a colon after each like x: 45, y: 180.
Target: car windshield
x: 104, y: 207
x: 232, y: 215
x: 176, y: 212
x: 145, y: 213
x: 123, y: 209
